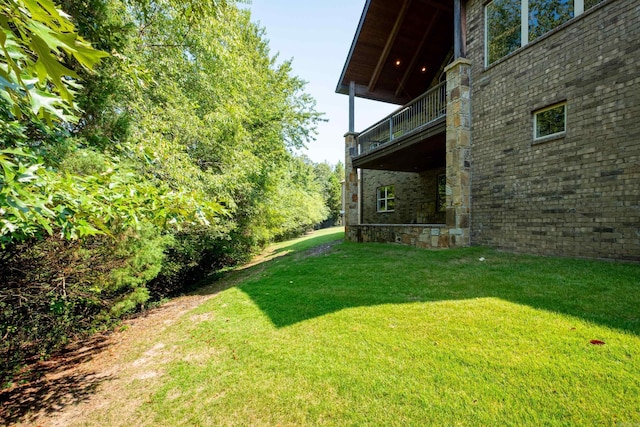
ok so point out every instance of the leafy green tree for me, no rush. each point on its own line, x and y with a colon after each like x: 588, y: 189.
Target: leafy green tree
x: 104, y: 119
x: 335, y: 199
x: 34, y: 86
x: 172, y: 159
x: 219, y: 101
x: 330, y: 179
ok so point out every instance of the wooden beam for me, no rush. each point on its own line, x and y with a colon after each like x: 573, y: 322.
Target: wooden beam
x: 416, y: 54
x: 387, y: 48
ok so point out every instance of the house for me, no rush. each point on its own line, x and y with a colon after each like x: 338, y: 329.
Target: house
x: 518, y: 126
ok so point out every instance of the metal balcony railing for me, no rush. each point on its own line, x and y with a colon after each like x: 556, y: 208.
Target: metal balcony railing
x: 427, y: 108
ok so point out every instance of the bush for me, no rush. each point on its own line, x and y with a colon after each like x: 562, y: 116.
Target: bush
x: 56, y: 289
x: 49, y: 295
x: 194, y: 254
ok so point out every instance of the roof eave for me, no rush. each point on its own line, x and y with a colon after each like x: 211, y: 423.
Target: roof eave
x: 341, y: 87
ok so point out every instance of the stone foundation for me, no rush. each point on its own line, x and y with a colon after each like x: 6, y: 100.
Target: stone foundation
x: 429, y: 236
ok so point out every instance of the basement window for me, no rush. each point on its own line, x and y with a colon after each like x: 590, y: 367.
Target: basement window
x: 386, y: 199
x: 550, y: 122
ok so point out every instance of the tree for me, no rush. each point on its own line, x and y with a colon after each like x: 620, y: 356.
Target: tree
x: 330, y: 178
x: 34, y: 85
x: 219, y: 101
x: 174, y: 158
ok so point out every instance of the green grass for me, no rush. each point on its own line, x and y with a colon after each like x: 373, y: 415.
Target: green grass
x: 371, y: 334
x: 308, y: 241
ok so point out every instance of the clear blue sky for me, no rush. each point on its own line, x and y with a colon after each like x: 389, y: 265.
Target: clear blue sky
x: 317, y: 35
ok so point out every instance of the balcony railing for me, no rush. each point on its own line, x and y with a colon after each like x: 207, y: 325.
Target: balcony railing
x: 427, y: 108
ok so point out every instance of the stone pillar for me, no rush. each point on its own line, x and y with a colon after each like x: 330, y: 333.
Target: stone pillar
x: 459, y: 152
x: 350, y: 187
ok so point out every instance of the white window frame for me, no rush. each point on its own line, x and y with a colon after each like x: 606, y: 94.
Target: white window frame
x: 537, y: 138
x: 578, y: 9
x: 385, y: 198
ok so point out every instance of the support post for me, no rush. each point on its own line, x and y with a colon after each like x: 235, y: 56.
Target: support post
x: 458, y: 148
x: 459, y: 30
x: 351, y: 190
x: 352, y: 108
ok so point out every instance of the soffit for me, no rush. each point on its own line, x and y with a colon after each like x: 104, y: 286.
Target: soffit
x: 418, y: 33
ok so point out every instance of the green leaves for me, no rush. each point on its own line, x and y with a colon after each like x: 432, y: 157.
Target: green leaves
x: 215, y: 121
x: 35, y: 201
x: 22, y: 213
x: 34, y: 38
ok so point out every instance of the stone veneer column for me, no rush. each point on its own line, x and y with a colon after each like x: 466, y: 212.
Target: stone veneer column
x: 350, y: 187
x: 459, y: 152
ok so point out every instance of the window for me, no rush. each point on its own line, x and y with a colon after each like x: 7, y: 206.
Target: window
x: 441, y: 195
x: 550, y: 121
x: 510, y: 24
x: 545, y: 15
x: 386, y: 199
x: 502, y: 28
x: 588, y: 4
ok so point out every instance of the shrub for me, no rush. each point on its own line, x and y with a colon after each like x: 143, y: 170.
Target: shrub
x: 49, y: 295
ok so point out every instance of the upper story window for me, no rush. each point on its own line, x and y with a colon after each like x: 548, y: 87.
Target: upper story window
x: 502, y: 29
x: 386, y: 199
x: 545, y: 15
x: 510, y: 24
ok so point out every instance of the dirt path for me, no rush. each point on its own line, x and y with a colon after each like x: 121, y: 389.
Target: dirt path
x: 90, y: 374
x: 79, y: 380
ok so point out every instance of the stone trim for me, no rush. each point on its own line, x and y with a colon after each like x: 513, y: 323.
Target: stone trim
x: 427, y: 236
x: 351, y: 187
x: 456, y: 63
x: 458, y: 152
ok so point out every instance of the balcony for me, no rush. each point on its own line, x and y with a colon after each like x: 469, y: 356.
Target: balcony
x: 410, y: 139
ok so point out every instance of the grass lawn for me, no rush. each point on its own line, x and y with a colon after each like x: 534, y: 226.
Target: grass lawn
x: 372, y: 334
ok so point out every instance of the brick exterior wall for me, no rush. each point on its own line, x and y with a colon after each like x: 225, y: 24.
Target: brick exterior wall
x: 577, y: 195
x: 415, y: 197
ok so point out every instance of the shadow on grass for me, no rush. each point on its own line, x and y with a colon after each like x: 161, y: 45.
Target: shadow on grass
x: 47, y: 387
x: 50, y: 386
x: 297, y: 288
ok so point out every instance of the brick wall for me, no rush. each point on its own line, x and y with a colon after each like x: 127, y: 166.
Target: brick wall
x: 578, y: 195
x: 415, y: 197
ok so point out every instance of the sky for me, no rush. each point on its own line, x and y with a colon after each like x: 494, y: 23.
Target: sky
x: 317, y: 36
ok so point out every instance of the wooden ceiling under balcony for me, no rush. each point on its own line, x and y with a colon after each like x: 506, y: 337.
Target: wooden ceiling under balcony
x: 399, y: 48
